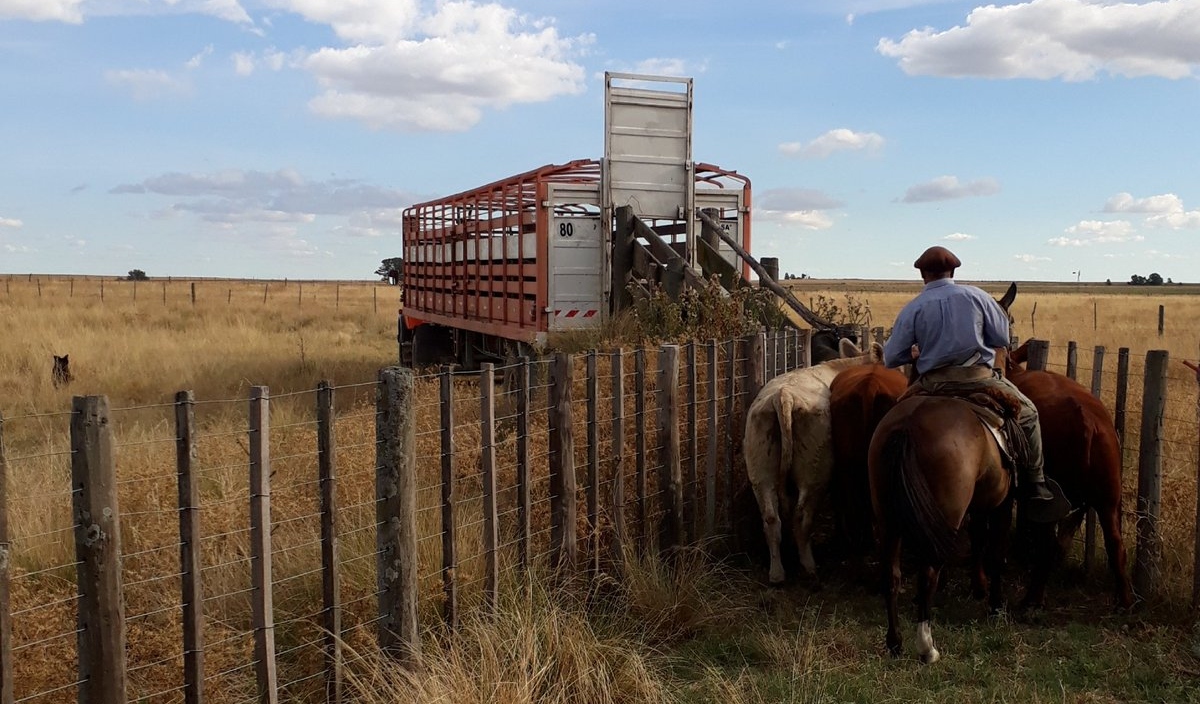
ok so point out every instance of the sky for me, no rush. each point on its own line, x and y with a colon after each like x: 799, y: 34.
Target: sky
x: 1045, y: 140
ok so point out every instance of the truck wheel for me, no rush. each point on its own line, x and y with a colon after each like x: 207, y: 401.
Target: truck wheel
x: 431, y: 345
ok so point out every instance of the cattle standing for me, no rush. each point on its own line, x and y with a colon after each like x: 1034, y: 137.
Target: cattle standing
x: 61, y: 374
x: 859, y: 397
x: 1083, y: 454
x: 788, y: 438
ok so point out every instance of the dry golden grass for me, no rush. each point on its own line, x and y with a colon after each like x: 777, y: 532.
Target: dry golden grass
x: 140, y: 352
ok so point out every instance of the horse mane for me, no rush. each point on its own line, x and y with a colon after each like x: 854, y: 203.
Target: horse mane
x: 912, y: 505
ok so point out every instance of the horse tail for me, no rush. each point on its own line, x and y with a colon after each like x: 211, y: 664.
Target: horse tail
x: 911, y: 505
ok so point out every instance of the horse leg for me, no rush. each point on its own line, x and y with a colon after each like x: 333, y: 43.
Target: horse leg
x: 768, y: 504
x: 999, y: 522
x: 927, y: 582
x: 890, y: 564
x: 1110, y: 524
x: 1042, y: 537
x: 977, y: 528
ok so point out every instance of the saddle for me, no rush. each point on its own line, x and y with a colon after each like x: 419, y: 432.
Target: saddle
x: 997, y: 411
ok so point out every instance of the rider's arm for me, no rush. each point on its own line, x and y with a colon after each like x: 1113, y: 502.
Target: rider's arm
x: 898, y: 349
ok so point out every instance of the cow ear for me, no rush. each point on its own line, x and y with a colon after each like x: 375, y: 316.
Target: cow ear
x: 1009, y: 296
x: 847, y: 348
x: 876, y: 353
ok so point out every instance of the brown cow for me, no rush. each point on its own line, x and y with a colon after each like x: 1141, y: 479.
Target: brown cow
x: 859, y: 398
x: 1083, y: 455
x: 788, y: 440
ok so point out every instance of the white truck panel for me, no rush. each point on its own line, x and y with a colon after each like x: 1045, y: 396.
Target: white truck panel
x: 576, y: 272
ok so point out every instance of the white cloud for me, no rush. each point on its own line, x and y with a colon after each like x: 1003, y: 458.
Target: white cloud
x: 42, y: 10
x: 10, y: 222
x: 1126, y: 203
x: 1164, y: 210
x: 147, y: 84
x: 197, y: 60
x: 808, y: 219
x: 243, y: 63
x: 1091, y: 232
x: 1074, y: 40
x: 74, y: 11
x: 284, y: 197
x: 17, y: 249
x: 958, y: 237
x: 665, y: 67
x: 836, y: 140
x: 1030, y: 258
x: 795, y: 206
x: 415, y: 72
x: 949, y: 188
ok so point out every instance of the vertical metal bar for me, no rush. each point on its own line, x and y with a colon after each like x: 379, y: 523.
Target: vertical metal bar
x: 331, y: 579
x: 449, y: 552
x: 262, y: 601
x: 192, y: 592
x: 487, y: 461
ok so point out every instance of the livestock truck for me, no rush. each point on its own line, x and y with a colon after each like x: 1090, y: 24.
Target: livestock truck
x: 491, y: 273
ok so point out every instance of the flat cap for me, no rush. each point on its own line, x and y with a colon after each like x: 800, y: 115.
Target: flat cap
x: 937, y: 260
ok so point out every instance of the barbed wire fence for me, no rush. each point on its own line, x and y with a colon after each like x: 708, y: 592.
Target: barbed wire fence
x: 260, y: 549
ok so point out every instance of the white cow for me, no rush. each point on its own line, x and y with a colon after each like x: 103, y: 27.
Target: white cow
x: 788, y: 435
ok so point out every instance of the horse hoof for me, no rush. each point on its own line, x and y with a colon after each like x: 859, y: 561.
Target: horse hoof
x: 931, y: 657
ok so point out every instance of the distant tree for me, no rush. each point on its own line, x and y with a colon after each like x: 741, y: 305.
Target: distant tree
x: 1154, y: 280
x: 137, y: 275
x: 390, y: 270
x: 1108, y: 282
x: 1137, y: 280
x: 1169, y: 281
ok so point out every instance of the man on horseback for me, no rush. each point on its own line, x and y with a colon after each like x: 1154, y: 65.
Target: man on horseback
x: 950, y: 332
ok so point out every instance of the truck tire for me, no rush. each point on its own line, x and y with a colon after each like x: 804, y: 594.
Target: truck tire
x: 432, y: 345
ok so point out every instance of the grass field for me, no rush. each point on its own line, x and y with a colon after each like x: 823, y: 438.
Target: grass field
x: 703, y: 633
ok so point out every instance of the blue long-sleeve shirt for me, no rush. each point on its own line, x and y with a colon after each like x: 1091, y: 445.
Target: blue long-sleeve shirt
x: 950, y: 323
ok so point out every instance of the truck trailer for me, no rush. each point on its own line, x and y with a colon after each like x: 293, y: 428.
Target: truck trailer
x: 491, y: 273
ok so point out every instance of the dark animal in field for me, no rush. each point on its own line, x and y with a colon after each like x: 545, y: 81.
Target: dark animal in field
x: 1083, y: 454
x: 61, y: 374
x: 859, y: 397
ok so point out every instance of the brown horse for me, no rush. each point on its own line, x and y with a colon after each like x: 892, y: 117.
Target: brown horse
x: 1083, y: 455
x: 932, y: 464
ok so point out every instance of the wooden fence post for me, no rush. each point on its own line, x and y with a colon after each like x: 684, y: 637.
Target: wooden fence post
x: 6, y: 633
x: 487, y: 461
x: 524, y: 506
x: 396, y: 516
x: 1195, y: 547
x: 262, y: 601
x: 690, y: 493
x: 1122, y: 396
x: 192, y: 594
x: 1039, y: 355
x: 1161, y: 319
x: 193, y: 293
x: 710, y: 467
x: 730, y: 429
x: 331, y: 580
x: 97, y: 518
x: 755, y: 372
x: 671, y: 532
x: 449, y: 551
x: 1146, y: 567
x: 620, y: 535
x: 1089, y: 532
x: 805, y: 348
x: 639, y: 448
x: 563, y: 527
x: 1072, y: 360
x: 593, y: 464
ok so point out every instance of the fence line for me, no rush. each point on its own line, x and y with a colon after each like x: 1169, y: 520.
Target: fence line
x: 415, y: 525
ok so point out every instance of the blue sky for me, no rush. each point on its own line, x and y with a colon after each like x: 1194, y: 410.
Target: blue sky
x: 1051, y: 139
